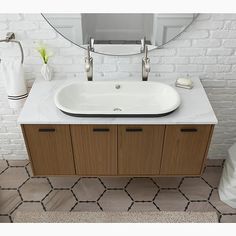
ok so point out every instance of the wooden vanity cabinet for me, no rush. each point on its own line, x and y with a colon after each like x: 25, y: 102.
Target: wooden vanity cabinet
x: 49, y: 148
x: 185, y: 149
x: 140, y: 149
x: 95, y: 149
x: 117, y: 150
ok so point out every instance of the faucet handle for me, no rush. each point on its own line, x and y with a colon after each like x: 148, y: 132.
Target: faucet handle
x: 146, y: 51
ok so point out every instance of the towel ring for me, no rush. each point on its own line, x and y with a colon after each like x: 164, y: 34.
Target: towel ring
x: 10, y: 38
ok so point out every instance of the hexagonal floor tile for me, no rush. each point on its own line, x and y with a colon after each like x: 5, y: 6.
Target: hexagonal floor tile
x: 5, y: 219
x: 63, y: 182
x: 18, y: 163
x: 59, y: 200
x: 228, y: 219
x: 9, y: 200
x: 168, y: 182
x: 143, y: 206
x: 13, y: 177
x: 3, y: 165
x: 115, y: 182
x: 195, y: 189
x: 219, y: 205
x: 87, y: 206
x: 115, y: 200
x: 35, y: 189
x: 216, y: 162
x: 200, y: 207
x: 88, y: 189
x: 212, y: 175
x: 28, y: 206
x: 142, y: 189
x: 29, y: 169
x: 171, y: 200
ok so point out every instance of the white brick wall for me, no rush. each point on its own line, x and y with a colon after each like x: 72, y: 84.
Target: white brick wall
x: 206, y: 49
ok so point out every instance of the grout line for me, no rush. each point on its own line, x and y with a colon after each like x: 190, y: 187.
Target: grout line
x: 128, y: 195
x: 99, y: 206
x: 132, y: 203
x: 72, y: 208
x: 101, y: 195
x: 102, y: 183
x: 183, y: 194
x: 206, y: 182
x: 186, y: 208
x: 5, y: 170
x: 158, y: 208
x: 76, y: 199
x: 46, y: 195
x: 76, y: 182
x: 156, y: 194
x: 215, y: 208
x: 128, y: 183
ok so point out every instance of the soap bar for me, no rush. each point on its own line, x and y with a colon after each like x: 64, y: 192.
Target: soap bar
x: 184, y: 83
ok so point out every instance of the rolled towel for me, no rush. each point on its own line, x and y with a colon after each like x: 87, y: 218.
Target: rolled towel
x: 13, y: 77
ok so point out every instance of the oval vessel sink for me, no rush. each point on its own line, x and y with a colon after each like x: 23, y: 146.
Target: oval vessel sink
x: 117, y: 99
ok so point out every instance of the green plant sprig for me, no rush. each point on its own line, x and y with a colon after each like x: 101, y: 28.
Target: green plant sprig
x: 43, y: 53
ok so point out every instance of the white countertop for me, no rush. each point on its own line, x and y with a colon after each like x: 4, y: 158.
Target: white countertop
x: 39, y: 108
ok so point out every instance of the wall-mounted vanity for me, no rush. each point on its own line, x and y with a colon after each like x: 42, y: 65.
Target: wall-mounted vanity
x: 58, y: 144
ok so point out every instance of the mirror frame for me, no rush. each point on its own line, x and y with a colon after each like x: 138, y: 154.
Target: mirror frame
x: 121, y: 55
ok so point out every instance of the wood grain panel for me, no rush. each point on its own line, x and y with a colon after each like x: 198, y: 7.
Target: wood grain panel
x: 185, y: 148
x: 50, y: 149
x: 95, y: 149
x: 140, y: 149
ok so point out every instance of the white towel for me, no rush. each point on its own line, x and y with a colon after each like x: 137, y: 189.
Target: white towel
x: 13, y: 75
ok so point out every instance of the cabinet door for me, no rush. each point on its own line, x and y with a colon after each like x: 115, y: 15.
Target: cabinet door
x: 140, y: 149
x: 50, y: 149
x: 95, y: 149
x: 185, y: 148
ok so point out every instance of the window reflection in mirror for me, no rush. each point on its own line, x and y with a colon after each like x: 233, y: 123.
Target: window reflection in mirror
x: 120, y: 33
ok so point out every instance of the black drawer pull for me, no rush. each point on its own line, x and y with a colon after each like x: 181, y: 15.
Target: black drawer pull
x: 101, y: 130
x: 47, y: 130
x: 189, y: 130
x: 134, y: 130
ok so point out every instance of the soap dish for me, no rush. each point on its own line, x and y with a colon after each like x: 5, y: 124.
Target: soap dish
x: 184, y: 83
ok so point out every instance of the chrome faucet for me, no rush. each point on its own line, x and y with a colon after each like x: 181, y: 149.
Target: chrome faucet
x: 143, y: 44
x: 145, y: 65
x: 89, y: 65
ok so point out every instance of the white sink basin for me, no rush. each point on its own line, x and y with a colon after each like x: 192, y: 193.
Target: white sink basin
x: 117, y: 99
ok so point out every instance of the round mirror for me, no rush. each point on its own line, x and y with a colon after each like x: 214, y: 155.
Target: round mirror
x: 119, y: 33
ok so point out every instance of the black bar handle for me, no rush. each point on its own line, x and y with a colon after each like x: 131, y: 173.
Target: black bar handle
x: 101, y: 130
x: 47, y: 130
x: 189, y: 130
x: 134, y: 130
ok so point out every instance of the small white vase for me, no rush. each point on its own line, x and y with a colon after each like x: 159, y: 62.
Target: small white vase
x: 46, y: 72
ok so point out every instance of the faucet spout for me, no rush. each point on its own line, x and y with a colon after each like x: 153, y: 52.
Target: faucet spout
x: 89, y: 65
x: 143, y: 44
x: 146, y: 68
x: 91, y: 44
